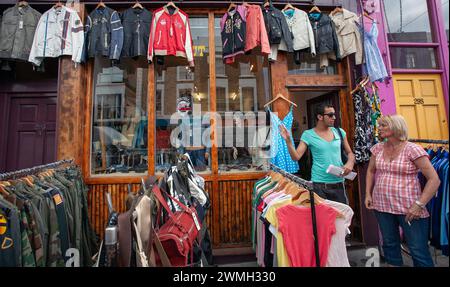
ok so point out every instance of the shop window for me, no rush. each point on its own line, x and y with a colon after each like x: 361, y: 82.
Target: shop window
x: 182, y: 106
x: 119, y: 121
x: 242, y: 89
x: 309, y: 65
x: 413, y: 58
x: 408, y: 21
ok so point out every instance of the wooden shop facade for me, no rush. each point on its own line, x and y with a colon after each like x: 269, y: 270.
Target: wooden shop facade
x: 114, y: 120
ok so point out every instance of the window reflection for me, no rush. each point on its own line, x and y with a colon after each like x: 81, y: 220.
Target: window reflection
x: 408, y: 21
x: 242, y: 89
x: 119, y: 122
x: 182, y: 104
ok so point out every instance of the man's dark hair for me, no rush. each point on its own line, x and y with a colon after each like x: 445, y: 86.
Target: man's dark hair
x: 320, y: 110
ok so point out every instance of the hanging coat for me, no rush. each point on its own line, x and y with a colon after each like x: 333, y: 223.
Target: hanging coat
x: 103, y: 34
x: 136, y: 29
x: 59, y: 32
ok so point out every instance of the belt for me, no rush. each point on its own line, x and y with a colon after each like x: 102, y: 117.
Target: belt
x: 328, y: 185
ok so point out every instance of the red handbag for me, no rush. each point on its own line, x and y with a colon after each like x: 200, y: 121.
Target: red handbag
x: 178, y: 233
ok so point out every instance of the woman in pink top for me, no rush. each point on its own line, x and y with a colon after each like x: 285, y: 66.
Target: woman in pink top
x: 393, y: 191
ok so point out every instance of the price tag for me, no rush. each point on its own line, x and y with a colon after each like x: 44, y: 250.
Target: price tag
x: 196, y: 221
x: 21, y: 24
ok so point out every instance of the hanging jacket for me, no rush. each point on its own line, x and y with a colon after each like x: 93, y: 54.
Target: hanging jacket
x: 324, y: 34
x: 59, y: 32
x: 170, y: 35
x: 349, y: 37
x: 18, y: 26
x: 233, y: 31
x: 103, y: 34
x: 136, y: 29
x: 277, y: 27
x: 300, y: 27
x: 256, y: 33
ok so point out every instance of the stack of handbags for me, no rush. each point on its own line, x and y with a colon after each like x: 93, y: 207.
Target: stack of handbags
x: 142, y: 243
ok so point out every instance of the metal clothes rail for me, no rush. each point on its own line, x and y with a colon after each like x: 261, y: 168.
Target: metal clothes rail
x: 428, y: 141
x: 33, y: 170
x: 308, y: 185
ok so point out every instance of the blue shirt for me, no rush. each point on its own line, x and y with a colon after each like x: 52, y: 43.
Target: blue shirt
x: 324, y: 153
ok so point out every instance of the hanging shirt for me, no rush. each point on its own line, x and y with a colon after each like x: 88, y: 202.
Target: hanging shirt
x: 324, y: 153
x: 337, y: 255
x: 295, y: 224
x: 271, y: 216
x: 279, y: 152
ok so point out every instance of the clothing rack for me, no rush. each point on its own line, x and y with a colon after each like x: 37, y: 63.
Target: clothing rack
x: 308, y: 185
x: 33, y: 170
x: 428, y: 141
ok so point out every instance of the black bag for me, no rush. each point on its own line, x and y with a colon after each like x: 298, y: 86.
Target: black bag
x: 344, y: 156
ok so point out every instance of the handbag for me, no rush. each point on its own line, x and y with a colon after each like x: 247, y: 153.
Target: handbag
x: 178, y: 233
x: 344, y: 156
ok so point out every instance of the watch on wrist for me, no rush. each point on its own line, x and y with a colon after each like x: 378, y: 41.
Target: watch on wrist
x: 420, y: 204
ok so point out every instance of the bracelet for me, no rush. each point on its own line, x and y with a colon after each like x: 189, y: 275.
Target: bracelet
x: 420, y: 204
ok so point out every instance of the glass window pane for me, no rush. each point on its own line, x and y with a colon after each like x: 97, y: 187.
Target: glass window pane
x: 445, y: 12
x: 309, y: 65
x: 413, y: 58
x: 182, y: 106
x: 242, y: 89
x: 119, y: 121
x: 408, y: 21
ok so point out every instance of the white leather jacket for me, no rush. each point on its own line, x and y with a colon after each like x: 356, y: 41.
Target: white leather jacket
x: 59, y: 32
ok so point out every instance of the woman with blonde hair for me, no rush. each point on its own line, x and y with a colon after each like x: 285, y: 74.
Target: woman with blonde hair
x: 393, y: 191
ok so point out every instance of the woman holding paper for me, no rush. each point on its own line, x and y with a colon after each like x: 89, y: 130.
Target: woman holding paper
x: 393, y: 191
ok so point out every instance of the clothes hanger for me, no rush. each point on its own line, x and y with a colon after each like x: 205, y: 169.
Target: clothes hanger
x: 337, y: 10
x: 100, y: 5
x: 361, y: 84
x: 287, y: 7
x: 58, y: 4
x: 280, y: 96
x: 267, y: 3
x: 231, y: 7
x: 365, y: 14
x: 171, y: 4
x: 22, y: 3
x: 138, y: 5
x: 315, y: 9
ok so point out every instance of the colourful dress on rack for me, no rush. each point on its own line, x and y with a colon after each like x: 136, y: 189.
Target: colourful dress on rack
x: 279, y: 152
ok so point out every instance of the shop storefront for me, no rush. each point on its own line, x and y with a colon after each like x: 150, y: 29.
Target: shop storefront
x: 414, y: 42
x: 115, y: 120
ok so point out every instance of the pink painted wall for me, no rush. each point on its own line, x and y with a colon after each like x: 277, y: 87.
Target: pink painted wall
x: 386, y: 89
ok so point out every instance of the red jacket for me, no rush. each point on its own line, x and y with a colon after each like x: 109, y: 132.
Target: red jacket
x: 170, y: 35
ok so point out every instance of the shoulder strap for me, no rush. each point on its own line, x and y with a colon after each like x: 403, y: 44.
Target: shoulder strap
x: 125, y: 240
x: 163, y: 202
x: 161, y: 252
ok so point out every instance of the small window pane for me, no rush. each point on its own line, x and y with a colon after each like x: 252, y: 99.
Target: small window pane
x: 119, y: 121
x: 408, y: 21
x: 445, y: 12
x: 413, y: 58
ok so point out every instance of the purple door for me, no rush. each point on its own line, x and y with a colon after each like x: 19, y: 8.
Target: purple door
x: 31, y: 132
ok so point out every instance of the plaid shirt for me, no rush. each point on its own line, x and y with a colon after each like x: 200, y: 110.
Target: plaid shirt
x: 397, y: 185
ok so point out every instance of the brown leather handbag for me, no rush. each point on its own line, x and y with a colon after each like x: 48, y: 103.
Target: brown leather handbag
x: 178, y: 233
